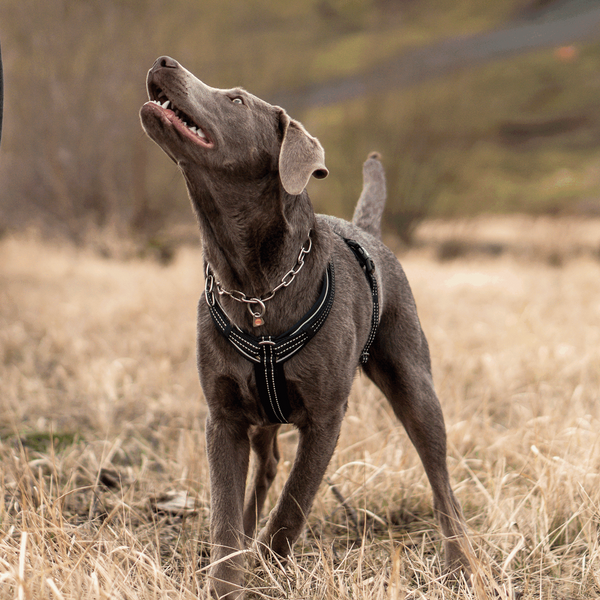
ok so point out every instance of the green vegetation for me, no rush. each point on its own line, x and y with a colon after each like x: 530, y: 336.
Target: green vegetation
x: 516, y: 135
x: 44, y: 441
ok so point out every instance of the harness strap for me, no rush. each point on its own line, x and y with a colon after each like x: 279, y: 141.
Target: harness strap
x: 269, y: 353
x: 366, y: 262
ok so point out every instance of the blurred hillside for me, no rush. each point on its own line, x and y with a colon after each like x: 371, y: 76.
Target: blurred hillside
x: 520, y: 132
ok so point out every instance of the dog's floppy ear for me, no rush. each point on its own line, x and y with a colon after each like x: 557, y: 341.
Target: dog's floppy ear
x: 301, y: 155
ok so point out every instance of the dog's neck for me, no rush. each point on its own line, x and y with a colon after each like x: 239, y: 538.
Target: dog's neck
x: 253, y: 239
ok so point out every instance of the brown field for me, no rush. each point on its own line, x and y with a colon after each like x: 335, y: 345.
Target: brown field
x: 102, y: 463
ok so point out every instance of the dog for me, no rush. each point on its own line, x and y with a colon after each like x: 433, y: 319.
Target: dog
x: 274, y: 267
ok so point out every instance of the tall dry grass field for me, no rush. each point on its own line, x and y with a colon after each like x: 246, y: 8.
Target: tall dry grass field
x: 103, y: 470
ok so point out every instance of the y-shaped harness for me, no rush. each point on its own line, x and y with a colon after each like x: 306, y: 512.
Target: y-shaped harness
x: 268, y: 353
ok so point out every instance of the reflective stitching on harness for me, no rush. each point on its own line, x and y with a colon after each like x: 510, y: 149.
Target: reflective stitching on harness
x: 222, y: 325
x: 270, y: 352
x: 321, y: 320
x: 290, y: 354
x: 300, y: 340
x: 375, y: 318
x: 325, y: 297
x: 368, y: 268
x: 280, y: 415
x: 269, y: 385
x: 243, y: 353
x: 243, y: 344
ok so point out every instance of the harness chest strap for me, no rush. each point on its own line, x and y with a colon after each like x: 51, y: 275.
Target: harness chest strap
x: 268, y: 353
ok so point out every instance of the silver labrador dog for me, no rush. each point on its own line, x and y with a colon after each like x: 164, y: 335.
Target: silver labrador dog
x: 294, y: 302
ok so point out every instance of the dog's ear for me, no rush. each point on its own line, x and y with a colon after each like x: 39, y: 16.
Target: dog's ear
x: 301, y: 155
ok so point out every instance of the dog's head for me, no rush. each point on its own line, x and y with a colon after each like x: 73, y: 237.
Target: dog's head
x: 226, y: 131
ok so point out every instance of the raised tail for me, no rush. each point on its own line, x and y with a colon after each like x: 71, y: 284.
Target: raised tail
x: 369, y: 209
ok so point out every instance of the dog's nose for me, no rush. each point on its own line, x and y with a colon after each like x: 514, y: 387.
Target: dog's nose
x: 164, y: 62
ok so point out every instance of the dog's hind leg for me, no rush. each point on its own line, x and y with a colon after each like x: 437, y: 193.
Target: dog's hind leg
x: 402, y: 371
x: 263, y: 442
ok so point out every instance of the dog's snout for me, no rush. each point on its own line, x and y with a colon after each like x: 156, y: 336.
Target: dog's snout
x: 164, y: 62
x: 167, y: 61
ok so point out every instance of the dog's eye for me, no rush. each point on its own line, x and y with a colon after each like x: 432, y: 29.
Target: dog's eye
x: 237, y: 100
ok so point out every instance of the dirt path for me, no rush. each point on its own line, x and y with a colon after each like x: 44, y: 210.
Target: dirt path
x: 559, y: 24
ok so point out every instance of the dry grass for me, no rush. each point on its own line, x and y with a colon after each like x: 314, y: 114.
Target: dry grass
x: 102, y: 417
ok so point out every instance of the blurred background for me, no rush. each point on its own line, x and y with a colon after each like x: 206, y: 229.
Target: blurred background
x: 477, y: 106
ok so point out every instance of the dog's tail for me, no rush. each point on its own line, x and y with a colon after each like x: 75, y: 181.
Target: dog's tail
x: 368, y: 211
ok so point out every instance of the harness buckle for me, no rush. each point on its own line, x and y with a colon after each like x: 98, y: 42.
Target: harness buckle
x: 365, y: 259
x: 208, y: 289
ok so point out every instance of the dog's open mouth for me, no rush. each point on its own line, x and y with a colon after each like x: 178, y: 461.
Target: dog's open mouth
x: 179, y: 119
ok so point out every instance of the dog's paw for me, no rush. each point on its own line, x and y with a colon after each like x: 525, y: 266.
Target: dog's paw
x: 275, y: 546
x: 458, y: 559
x: 214, y: 591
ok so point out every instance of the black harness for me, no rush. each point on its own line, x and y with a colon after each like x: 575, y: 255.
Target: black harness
x: 366, y: 262
x: 268, y: 353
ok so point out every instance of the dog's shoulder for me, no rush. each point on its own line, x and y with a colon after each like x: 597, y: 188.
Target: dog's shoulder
x: 390, y: 275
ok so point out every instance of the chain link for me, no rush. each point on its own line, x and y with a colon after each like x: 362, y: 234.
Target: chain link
x: 285, y: 281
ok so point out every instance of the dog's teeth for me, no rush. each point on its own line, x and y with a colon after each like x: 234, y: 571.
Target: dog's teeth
x: 194, y: 129
x: 166, y: 104
x: 201, y: 133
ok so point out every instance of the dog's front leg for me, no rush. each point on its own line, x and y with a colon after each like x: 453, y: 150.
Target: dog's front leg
x: 228, y: 450
x: 263, y: 441
x: 315, y: 448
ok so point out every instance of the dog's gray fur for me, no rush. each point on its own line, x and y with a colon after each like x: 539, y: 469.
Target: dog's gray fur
x: 246, y: 181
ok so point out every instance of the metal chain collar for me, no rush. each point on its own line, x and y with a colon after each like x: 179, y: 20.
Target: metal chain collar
x: 258, y: 312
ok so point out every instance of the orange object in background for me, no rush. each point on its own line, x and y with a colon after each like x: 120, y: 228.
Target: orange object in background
x: 566, y: 53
